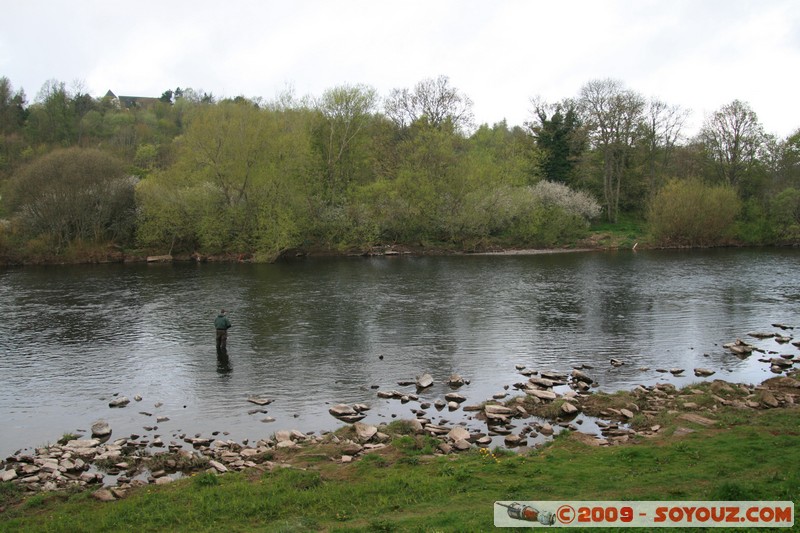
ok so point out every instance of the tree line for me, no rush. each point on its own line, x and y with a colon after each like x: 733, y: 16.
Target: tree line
x: 349, y: 169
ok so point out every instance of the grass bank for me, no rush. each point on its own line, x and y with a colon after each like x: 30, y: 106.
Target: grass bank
x: 747, y: 455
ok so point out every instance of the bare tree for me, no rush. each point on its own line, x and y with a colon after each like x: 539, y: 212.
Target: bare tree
x: 661, y: 130
x: 612, y: 115
x: 433, y: 99
x: 733, y: 138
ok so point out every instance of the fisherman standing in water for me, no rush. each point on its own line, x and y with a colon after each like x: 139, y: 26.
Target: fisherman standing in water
x: 222, y: 324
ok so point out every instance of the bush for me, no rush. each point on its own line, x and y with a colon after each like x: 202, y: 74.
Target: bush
x: 74, y: 194
x: 550, y: 213
x: 691, y: 213
x: 574, y: 203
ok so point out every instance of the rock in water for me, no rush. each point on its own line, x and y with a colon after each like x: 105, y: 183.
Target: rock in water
x: 342, y: 409
x: 577, y: 375
x: 122, y: 401
x: 424, y: 381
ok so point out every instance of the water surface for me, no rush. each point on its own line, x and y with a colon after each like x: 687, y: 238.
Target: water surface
x: 311, y: 333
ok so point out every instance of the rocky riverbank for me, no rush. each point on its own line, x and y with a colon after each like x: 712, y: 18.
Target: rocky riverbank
x: 546, y: 403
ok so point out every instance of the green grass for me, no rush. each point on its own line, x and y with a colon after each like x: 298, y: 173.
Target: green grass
x: 401, y: 489
x: 623, y: 234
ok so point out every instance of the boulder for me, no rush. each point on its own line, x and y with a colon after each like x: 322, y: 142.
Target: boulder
x: 259, y: 400
x: 365, y: 431
x: 351, y: 448
x: 283, y: 435
x: 578, y: 375
x: 424, y: 381
x: 696, y: 419
x: 219, y: 467
x: 122, y: 401
x: 455, y: 380
x: 341, y: 409
x: 496, y: 409
x: 568, y: 409
x: 458, y: 433
x: 462, y: 445
x: 513, y: 440
x: 768, y: 399
x: 703, y: 372
x: 542, y: 394
x: 626, y: 413
x: 541, y: 382
x: 104, y: 495
x: 454, y: 397
x: 8, y: 475
x: 101, y: 428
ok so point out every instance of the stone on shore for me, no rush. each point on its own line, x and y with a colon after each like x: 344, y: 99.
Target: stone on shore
x: 101, y: 428
x: 365, y: 431
x: 219, y: 467
x: 542, y: 394
x: 458, y: 433
x: 568, y: 409
x: 103, y: 495
x: 496, y: 409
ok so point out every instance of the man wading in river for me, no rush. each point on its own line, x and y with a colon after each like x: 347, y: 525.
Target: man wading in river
x: 222, y: 323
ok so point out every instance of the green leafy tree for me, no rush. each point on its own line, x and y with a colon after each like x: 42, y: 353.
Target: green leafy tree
x: 12, y: 108
x: 237, y: 184
x: 345, y: 114
x: 52, y: 120
x: 12, y: 121
x: 559, y: 135
x: 508, y: 155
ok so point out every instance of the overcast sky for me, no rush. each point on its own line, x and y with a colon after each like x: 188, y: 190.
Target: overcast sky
x: 699, y: 54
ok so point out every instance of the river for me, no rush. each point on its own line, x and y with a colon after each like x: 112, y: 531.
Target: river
x: 310, y: 333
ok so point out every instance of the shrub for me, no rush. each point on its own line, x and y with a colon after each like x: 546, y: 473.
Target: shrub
x: 74, y: 194
x: 574, y: 203
x: 692, y: 213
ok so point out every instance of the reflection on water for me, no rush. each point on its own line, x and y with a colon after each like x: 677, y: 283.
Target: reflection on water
x: 317, y: 332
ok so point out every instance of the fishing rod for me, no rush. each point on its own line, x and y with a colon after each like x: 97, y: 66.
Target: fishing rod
x: 518, y: 511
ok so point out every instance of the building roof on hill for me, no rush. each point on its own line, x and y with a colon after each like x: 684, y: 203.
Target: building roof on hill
x: 130, y: 102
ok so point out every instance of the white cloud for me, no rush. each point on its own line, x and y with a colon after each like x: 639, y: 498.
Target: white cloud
x: 697, y: 54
